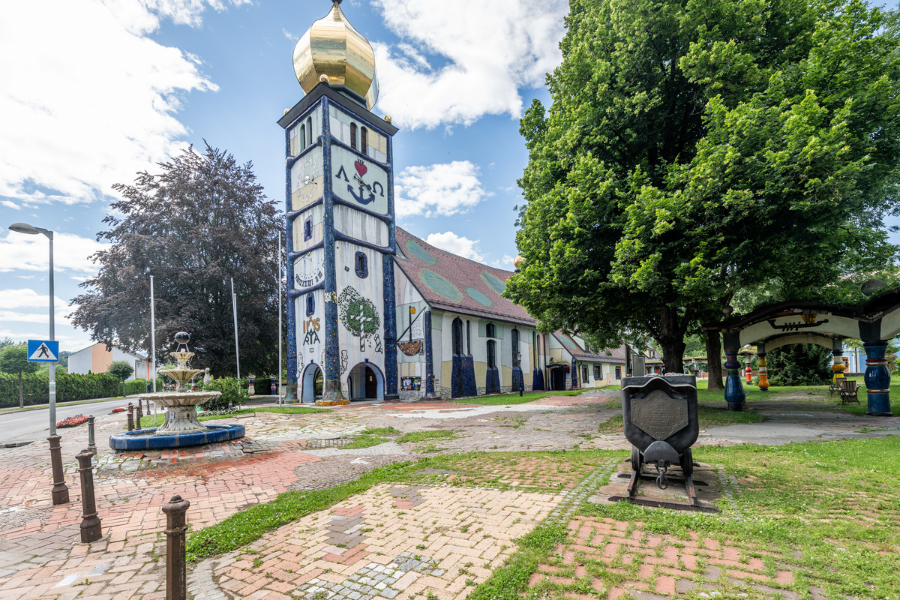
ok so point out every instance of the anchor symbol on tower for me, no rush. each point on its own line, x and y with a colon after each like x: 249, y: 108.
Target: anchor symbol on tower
x: 361, y: 170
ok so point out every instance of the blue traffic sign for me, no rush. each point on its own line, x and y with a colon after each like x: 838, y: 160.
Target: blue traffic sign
x: 43, y: 351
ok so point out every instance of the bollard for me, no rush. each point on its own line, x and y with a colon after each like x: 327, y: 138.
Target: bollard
x: 140, y: 415
x: 176, y: 527
x: 130, y: 417
x: 92, y: 445
x: 91, y: 530
x: 59, y: 493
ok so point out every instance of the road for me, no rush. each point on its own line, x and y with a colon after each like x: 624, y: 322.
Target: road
x: 35, y: 424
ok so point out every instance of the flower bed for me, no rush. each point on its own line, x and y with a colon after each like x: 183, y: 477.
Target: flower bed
x: 117, y: 410
x: 72, y: 421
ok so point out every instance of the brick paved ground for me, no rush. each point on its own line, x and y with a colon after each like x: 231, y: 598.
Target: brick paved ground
x: 40, y: 556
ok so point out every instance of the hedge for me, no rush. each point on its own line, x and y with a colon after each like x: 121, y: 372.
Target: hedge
x: 69, y: 387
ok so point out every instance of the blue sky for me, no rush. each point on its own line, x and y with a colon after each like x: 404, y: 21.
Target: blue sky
x: 99, y: 89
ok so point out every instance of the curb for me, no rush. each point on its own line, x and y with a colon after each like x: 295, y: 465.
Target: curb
x: 4, y: 411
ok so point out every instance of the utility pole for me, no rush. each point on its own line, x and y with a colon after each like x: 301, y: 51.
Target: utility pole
x: 152, y: 334
x: 278, y: 282
x: 237, y: 351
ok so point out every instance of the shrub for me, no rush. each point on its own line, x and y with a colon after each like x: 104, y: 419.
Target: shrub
x: 72, y: 421
x: 234, y: 391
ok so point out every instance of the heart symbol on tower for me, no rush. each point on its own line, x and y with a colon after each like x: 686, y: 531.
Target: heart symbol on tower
x: 360, y: 167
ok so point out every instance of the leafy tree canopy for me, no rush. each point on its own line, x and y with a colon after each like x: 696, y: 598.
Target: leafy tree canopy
x: 120, y: 369
x: 799, y: 364
x: 14, y: 359
x: 695, y: 148
x: 194, y: 226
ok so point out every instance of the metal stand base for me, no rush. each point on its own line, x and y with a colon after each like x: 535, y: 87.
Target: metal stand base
x: 693, y: 504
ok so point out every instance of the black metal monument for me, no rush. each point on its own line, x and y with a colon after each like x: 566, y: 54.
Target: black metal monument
x: 660, y: 420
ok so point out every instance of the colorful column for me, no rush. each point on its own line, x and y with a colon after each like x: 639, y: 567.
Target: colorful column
x: 748, y: 371
x: 838, y: 367
x: 574, y: 375
x: 734, y: 389
x: 291, y: 392
x: 332, y: 393
x: 429, y: 357
x: 763, y: 372
x: 878, y: 379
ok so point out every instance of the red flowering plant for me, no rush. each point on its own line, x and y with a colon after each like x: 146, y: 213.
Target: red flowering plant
x: 72, y: 421
x: 117, y: 410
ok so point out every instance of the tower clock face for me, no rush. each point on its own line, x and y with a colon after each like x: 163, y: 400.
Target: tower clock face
x: 306, y: 180
x: 359, y: 181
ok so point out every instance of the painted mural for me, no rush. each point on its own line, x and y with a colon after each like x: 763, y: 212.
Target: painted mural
x: 359, y: 181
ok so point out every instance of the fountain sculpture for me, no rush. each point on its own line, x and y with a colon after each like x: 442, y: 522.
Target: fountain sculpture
x: 181, y: 427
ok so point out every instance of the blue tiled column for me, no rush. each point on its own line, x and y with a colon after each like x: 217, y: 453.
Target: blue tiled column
x: 429, y: 357
x: 878, y: 379
x: 734, y: 389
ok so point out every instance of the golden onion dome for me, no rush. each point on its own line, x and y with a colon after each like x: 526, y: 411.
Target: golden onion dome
x: 518, y: 261
x: 332, y: 47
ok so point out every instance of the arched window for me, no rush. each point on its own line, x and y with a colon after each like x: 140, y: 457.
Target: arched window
x: 363, y: 139
x: 489, y: 331
x: 309, y: 129
x: 307, y: 229
x: 362, y: 265
x: 353, y: 135
x: 492, y: 354
x: 515, y: 347
x: 302, y: 137
x: 310, y: 304
x: 457, y: 336
x: 468, y: 338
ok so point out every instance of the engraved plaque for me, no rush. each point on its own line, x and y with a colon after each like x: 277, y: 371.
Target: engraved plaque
x: 659, y: 415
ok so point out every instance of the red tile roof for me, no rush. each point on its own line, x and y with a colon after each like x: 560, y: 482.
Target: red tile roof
x: 616, y: 355
x: 454, y: 283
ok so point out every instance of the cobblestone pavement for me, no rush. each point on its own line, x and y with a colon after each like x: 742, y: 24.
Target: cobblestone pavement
x: 40, y: 556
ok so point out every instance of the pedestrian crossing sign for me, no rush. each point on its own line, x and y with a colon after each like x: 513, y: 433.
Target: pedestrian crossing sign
x: 43, y: 351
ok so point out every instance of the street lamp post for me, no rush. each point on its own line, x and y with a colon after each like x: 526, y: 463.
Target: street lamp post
x: 60, y: 492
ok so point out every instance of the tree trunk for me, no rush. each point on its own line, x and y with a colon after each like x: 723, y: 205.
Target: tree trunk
x: 714, y: 360
x: 671, y: 340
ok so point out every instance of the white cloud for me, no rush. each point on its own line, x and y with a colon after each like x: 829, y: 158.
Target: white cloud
x: 27, y: 298
x: 460, y: 246
x: 289, y: 35
x: 11, y: 205
x: 442, y: 189
x: 31, y: 253
x: 491, y: 50
x: 87, y: 99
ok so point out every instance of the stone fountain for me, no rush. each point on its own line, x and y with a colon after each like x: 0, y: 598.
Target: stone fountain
x: 181, y: 427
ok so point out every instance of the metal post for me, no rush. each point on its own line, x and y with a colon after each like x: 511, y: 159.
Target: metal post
x: 52, y: 366
x: 59, y: 493
x: 278, y: 282
x: 140, y: 414
x: 237, y: 351
x: 21, y: 397
x: 92, y: 444
x: 176, y: 575
x: 91, y: 530
x: 152, y: 338
x: 130, y: 417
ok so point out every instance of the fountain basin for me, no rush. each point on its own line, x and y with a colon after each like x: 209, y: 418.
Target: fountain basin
x: 151, y: 439
x: 181, y: 410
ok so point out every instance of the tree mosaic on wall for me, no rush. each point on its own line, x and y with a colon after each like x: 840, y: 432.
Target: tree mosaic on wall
x: 359, y: 316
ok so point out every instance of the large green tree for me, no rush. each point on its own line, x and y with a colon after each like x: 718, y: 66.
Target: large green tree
x: 14, y: 359
x: 200, y: 222
x: 697, y: 147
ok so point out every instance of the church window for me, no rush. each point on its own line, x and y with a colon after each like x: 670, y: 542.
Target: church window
x: 468, y: 338
x: 515, y: 348
x: 489, y: 330
x: 584, y: 374
x: 598, y: 372
x: 363, y: 141
x: 353, y: 135
x: 492, y: 354
x: 618, y: 372
x: 307, y: 229
x: 310, y: 305
x: 362, y: 265
x: 302, y: 137
x: 309, y: 129
x: 457, y: 336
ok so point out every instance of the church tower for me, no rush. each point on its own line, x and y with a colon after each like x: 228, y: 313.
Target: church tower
x: 341, y: 237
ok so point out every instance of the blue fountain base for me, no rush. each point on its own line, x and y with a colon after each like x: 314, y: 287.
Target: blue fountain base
x: 146, y: 439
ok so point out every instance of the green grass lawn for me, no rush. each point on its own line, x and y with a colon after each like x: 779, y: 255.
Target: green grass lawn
x: 159, y: 418
x: 509, y: 399
x: 426, y: 436
x: 707, y: 415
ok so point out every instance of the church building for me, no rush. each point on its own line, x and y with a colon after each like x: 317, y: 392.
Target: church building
x: 373, y: 312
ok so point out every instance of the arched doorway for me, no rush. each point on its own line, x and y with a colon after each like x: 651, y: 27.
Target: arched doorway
x: 365, y: 382
x: 557, y: 377
x: 311, y: 383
